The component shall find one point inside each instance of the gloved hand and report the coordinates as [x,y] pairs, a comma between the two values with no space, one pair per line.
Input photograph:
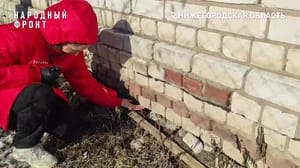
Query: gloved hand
[49,75]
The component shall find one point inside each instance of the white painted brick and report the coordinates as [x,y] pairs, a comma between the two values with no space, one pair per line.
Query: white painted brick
[107,18]
[238,122]
[173,117]
[166,31]
[186,36]
[139,46]
[209,40]
[156,71]
[148,27]
[156,85]
[248,27]
[294,147]
[236,1]
[290,4]
[135,24]
[192,103]
[173,11]
[282,122]
[173,56]
[142,80]
[189,126]
[97,3]
[140,66]
[246,107]
[149,8]
[219,70]
[215,112]
[144,102]
[232,152]
[119,5]
[236,48]
[173,92]
[285,30]
[275,139]
[267,55]
[193,142]
[158,109]
[274,88]
[293,61]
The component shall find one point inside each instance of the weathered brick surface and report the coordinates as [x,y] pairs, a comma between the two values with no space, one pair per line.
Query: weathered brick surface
[141,79]
[193,86]
[156,71]
[193,103]
[230,150]
[236,48]
[275,139]
[267,55]
[139,46]
[215,112]
[217,95]
[173,92]
[135,89]
[274,88]
[148,93]
[209,40]
[216,69]
[164,100]
[180,108]
[166,31]
[200,120]
[291,4]
[188,125]
[254,27]
[174,9]
[97,3]
[173,117]
[173,77]
[140,66]
[144,102]
[237,1]
[282,122]
[158,109]
[285,30]
[119,5]
[240,123]
[148,27]
[173,56]
[149,8]
[107,18]
[186,36]
[293,61]
[294,147]
[156,85]
[246,107]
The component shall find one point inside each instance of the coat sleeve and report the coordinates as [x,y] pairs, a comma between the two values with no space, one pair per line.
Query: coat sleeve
[86,86]
[13,75]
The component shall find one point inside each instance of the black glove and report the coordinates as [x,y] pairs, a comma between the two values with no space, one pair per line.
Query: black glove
[49,75]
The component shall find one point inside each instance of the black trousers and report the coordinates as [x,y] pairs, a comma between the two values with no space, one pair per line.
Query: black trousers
[37,110]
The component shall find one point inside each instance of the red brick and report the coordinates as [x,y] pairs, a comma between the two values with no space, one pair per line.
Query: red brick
[173,77]
[134,89]
[164,100]
[217,95]
[200,120]
[148,93]
[181,109]
[193,86]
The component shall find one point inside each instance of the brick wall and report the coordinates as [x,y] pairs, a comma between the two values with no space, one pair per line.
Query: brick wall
[231,81]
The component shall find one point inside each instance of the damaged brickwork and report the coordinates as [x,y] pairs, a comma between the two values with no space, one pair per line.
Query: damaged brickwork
[234,84]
